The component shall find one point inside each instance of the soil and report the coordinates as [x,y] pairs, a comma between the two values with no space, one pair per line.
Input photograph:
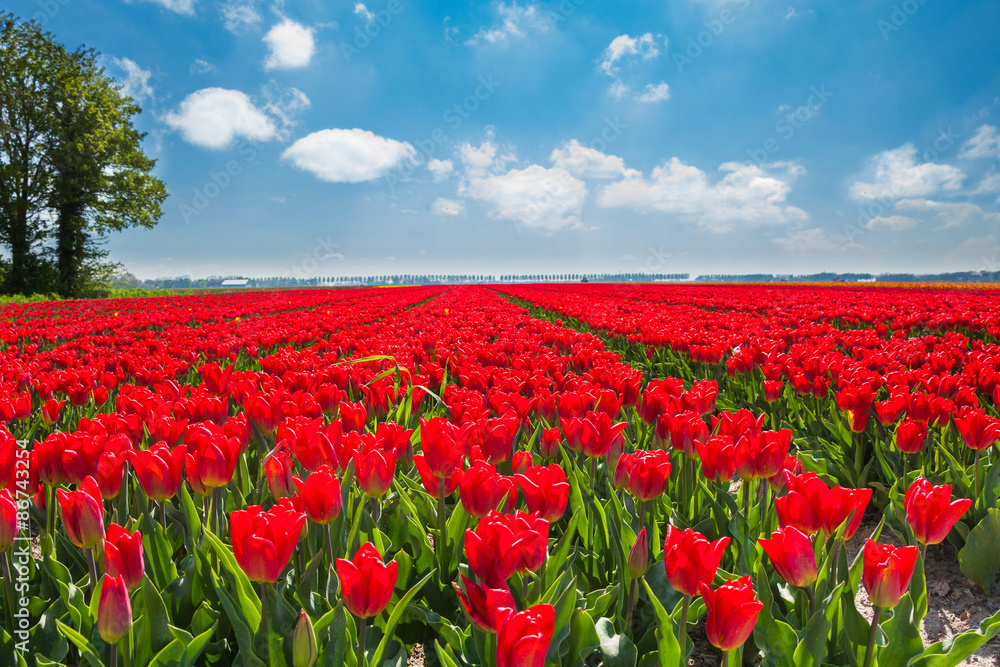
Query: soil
[954,602]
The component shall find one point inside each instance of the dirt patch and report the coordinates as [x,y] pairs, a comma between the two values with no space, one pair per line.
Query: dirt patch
[955,604]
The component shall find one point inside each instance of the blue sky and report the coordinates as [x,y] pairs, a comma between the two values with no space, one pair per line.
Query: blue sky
[705,136]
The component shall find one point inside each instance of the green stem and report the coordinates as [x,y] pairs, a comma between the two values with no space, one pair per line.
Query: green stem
[329,545]
[265,621]
[682,640]
[870,651]
[362,660]
[439,543]
[163,517]
[812,600]
[93,568]
[834,570]
[906,471]
[731,658]
[979,489]
[8,585]
[633,593]
[114,655]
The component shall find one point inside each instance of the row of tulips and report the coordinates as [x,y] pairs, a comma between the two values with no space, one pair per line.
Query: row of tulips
[365,494]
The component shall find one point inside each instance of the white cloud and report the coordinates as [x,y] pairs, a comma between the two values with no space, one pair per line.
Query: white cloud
[200,66]
[654,93]
[535,197]
[618,90]
[348,156]
[441,169]
[487,156]
[796,13]
[990,183]
[745,196]
[587,162]
[442,206]
[215,117]
[893,223]
[238,16]
[623,46]
[178,6]
[285,103]
[984,143]
[136,83]
[363,12]
[514,22]
[807,240]
[898,175]
[291,45]
[949,214]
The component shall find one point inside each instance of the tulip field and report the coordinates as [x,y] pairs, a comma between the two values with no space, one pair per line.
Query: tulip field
[504,476]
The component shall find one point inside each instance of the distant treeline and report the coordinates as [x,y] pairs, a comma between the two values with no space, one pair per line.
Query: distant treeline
[399,279]
[186,282]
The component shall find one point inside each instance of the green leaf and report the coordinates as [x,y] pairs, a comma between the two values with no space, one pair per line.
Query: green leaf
[954,650]
[244,631]
[445,656]
[82,644]
[617,650]
[248,599]
[811,650]
[583,639]
[980,557]
[397,613]
[180,653]
[342,638]
[191,514]
[669,648]
[777,638]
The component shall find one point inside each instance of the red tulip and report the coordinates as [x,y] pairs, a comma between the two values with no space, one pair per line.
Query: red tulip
[856,401]
[792,555]
[546,490]
[83,514]
[483,605]
[51,410]
[638,557]
[690,559]
[498,437]
[761,455]
[442,451]
[431,482]
[731,613]
[366,583]
[114,611]
[320,493]
[978,430]
[521,461]
[374,470]
[524,637]
[480,491]
[810,505]
[211,460]
[649,474]
[216,379]
[354,416]
[718,457]
[685,429]
[315,449]
[886,572]
[791,466]
[549,444]
[263,542]
[158,470]
[123,555]
[910,436]
[504,544]
[887,412]
[278,470]
[930,512]
[772,390]
[9,524]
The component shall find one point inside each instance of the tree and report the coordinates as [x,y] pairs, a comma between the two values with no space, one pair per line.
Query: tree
[93,177]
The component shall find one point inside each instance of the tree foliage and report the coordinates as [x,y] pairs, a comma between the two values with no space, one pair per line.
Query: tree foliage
[72,168]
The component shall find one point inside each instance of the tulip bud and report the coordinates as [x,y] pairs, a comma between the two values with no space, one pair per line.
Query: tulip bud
[549,445]
[638,558]
[114,611]
[304,648]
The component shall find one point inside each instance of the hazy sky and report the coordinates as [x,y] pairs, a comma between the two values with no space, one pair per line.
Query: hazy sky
[336,138]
